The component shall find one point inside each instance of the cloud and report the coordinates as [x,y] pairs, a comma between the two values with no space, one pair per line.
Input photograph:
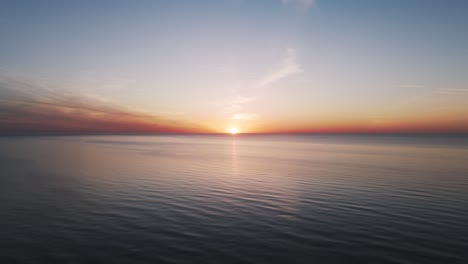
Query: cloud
[302,3]
[236,102]
[27,106]
[289,66]
[234,105]
[452,91]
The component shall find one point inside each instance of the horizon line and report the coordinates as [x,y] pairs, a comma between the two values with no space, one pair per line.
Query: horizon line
[454,133]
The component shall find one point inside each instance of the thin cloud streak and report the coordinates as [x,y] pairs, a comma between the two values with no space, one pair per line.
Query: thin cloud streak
[236,102]
[26,107]
[452,91]
[289,66]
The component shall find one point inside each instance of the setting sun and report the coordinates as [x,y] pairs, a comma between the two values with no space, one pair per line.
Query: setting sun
[233,130]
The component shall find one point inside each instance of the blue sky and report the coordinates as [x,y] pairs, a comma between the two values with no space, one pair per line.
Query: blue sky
[256,65]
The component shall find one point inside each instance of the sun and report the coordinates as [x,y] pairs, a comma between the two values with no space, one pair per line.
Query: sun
[233,130]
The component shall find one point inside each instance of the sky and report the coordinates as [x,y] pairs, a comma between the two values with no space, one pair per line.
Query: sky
[278,66]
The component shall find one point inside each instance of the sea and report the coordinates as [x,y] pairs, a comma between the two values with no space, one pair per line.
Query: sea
[234,199]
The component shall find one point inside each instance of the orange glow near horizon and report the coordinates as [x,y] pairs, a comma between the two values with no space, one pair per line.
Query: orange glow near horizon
[73,114]
[233,130]
[303,69]
[396,124]
[110,123]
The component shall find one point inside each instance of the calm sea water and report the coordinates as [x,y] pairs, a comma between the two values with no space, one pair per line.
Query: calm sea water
[242,199]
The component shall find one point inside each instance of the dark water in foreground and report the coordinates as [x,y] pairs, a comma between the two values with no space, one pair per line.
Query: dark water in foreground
[215,199]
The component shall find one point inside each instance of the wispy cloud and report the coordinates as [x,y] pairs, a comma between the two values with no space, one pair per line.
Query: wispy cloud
[452,91]
[236,102]
[302,3]
[27,106]
[290,65]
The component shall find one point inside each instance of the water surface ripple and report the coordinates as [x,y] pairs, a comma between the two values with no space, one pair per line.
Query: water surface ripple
[243,199]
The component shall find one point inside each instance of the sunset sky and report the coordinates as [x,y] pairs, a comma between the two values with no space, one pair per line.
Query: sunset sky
[210,66]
